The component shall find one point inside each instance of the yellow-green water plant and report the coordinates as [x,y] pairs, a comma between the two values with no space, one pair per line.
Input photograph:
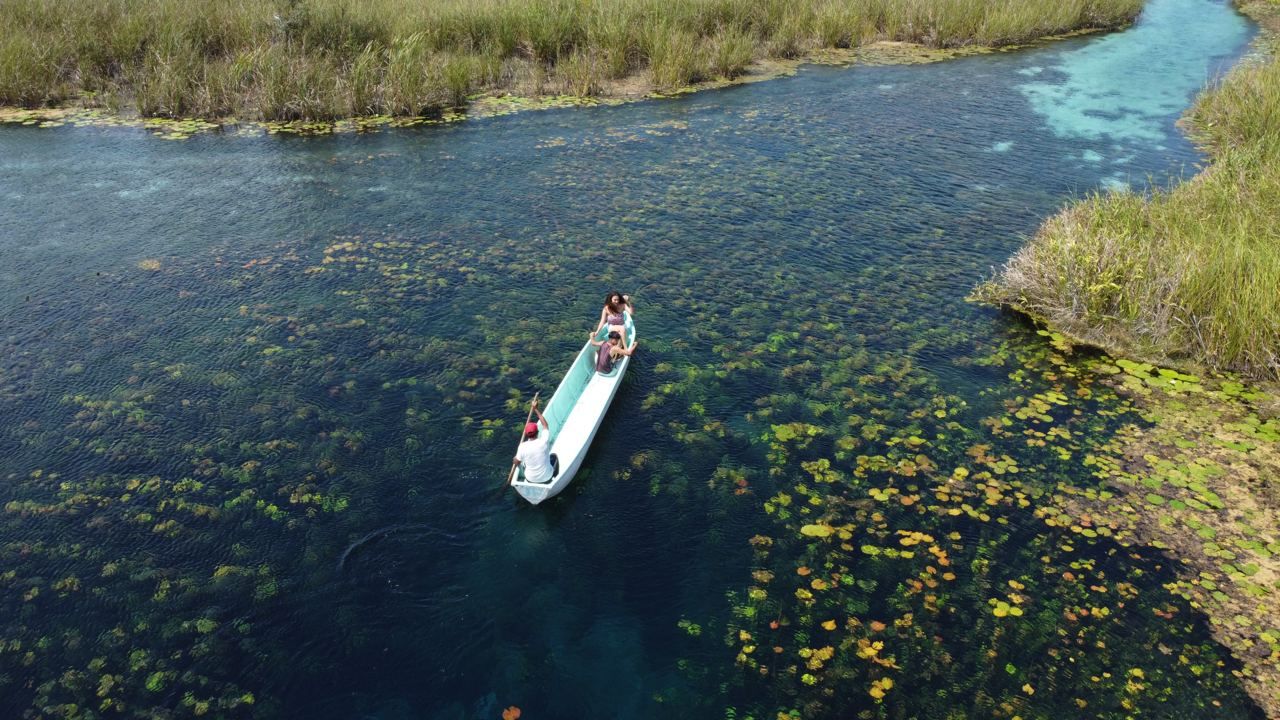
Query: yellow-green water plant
[886,489]
[899,512]
[879,554]
[1183,471]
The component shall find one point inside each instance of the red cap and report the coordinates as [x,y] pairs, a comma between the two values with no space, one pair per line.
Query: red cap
[530,428]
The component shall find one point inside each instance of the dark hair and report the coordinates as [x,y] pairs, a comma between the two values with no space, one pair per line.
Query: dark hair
[608,300]
[615,335]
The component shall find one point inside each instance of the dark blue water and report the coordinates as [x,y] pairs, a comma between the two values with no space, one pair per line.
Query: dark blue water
[260,392]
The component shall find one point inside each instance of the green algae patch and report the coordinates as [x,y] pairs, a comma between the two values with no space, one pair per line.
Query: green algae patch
[899,516]
[182,129]
[887,52]
[1217,511]
[177,129]
[497,105]
[163,128]
[1188,469]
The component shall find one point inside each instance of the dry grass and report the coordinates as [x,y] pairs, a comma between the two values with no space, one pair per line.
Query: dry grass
[319,59]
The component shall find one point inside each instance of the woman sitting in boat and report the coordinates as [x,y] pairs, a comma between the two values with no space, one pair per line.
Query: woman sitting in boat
[611,350]
[615,304]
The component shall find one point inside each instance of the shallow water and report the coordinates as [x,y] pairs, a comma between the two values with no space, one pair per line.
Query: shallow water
[251,386]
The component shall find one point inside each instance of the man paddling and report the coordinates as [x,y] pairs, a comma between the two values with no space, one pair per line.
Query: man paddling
[534,452]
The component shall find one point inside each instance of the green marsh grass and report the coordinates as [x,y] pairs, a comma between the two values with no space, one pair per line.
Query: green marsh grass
[730,52]
[321,59]
[1190,274]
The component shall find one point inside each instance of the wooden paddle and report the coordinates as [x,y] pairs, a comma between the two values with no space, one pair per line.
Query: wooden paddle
[512,477]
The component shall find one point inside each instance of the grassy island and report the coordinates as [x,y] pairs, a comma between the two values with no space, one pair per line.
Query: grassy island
[326,59]
[1190,275]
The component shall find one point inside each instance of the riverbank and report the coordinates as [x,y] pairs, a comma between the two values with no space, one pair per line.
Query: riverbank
[1187,277]
[331,59]
[498,102]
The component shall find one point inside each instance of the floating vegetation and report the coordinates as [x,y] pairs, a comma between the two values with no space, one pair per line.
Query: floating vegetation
[1189,477]
[182,129]
[898,513]
[168,129]
[879,570]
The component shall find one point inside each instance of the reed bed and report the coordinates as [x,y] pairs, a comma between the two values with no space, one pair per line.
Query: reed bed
[323,59]
[1189,275]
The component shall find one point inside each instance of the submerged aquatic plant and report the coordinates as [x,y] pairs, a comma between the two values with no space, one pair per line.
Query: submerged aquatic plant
[869,578]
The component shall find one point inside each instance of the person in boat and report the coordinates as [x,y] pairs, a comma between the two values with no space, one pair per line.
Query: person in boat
[611,351]
[534,452]
[615,304]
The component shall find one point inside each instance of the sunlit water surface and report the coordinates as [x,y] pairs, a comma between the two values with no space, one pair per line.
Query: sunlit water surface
[250,386]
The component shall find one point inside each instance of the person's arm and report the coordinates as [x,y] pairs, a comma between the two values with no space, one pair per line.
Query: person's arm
[630,348]
[604,312]
[541,419]
[596,342]
[626,305]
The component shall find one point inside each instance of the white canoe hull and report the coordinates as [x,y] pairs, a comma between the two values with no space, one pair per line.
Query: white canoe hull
[574,413]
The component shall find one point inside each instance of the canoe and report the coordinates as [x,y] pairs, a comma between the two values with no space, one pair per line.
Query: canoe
[574,415]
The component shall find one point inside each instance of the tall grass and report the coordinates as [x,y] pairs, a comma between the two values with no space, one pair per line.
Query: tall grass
[675,56]
[1189,274]
[284,59]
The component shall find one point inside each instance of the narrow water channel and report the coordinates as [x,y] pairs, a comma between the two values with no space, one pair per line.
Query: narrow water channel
[259,395]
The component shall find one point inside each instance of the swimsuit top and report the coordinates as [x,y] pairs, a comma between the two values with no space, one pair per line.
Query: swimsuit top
[615,319]
[604,359]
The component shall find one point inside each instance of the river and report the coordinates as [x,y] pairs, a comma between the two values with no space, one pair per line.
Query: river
[260,394]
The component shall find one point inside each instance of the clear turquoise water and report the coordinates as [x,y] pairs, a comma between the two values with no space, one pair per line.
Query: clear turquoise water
[252,470]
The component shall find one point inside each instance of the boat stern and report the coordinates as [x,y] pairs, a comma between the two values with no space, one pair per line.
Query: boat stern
[533,492]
